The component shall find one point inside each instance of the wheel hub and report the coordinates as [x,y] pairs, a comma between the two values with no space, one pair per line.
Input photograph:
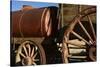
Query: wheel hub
[27,61]
[92,52]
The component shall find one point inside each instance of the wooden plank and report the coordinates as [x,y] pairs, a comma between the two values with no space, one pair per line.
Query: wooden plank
[77,47]
[79,57]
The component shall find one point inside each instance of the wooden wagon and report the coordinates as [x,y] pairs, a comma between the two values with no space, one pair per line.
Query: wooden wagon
[32,28]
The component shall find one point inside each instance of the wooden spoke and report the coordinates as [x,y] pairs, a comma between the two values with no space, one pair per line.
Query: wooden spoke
[25,50]
[35,55]
[36,60]
[34,63]
[80,37]
[92,28]
[32,53]
[29,49]
[80,23]
[22,55]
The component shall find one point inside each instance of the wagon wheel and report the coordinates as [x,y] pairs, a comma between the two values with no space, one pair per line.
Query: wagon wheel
[81,32]
[30,53]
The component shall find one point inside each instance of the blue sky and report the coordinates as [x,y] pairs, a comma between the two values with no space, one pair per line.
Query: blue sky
[17,5]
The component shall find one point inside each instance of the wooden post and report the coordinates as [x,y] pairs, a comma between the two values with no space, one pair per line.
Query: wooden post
[79,9]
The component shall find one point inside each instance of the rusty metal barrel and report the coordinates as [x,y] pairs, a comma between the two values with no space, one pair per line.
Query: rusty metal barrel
[35,22]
